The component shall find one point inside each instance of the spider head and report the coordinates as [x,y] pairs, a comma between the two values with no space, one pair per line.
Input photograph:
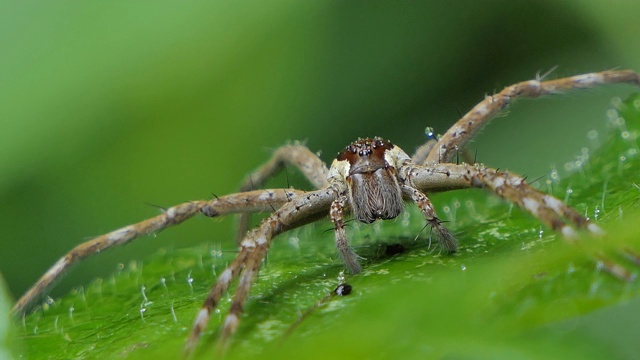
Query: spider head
[368,167]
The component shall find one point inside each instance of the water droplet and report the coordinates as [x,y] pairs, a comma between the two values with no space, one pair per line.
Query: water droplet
[569,167]
[429,132]
[578,163]
[592,135]
[568,193]
[190,280]
[617,102]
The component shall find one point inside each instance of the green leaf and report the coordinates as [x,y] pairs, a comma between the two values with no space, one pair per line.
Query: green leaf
[7,337]
[513,289]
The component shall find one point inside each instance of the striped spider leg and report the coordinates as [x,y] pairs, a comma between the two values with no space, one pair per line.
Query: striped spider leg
[371,178]
[458,135]
[255,201]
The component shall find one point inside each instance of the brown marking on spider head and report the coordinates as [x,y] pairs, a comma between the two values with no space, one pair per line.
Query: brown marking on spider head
[374,190]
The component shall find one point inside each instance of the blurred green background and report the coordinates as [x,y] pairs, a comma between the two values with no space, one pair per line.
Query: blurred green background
[107,107]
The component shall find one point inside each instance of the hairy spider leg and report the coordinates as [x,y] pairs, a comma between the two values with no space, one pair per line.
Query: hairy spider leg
[348,256]
[551,211]
[443,235]
[299,211]
[255,201]
[457,137]
[311,166]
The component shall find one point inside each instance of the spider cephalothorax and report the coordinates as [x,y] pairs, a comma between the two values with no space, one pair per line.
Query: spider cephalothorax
[371,177]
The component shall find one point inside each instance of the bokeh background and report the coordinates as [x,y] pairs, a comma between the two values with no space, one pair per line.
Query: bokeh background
[108,107]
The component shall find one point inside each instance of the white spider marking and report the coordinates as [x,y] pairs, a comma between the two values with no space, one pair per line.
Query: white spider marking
[117,235]
[248,243]
[498,183]
[265,196]
[261,240]
[553,203]
[225,277]
[569,233]
[531,205]
[396,157]
[482,110]
[202,315]
[588,79]
[595,229]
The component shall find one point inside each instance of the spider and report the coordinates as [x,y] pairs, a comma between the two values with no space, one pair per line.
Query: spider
[371,178]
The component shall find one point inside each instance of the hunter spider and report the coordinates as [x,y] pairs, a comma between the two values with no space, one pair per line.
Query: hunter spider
[371,178]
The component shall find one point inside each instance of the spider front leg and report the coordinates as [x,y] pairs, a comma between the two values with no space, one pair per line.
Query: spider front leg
[348,256]
[456,138]
[311,166]
[445,238]
[300,210]
[551,211]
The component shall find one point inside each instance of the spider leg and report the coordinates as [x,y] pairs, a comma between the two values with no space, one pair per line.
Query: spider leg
[445,238]
[300,210]
[249,273]
[253,201]
[172,216]
[314,169]
[548,209]
[348,256]
[468,126]
[420,156]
